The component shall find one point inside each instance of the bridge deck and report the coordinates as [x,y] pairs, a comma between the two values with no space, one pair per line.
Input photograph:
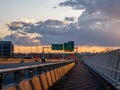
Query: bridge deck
[81,78]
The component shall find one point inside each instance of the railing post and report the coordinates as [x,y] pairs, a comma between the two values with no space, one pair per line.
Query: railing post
[17,76]
[118,67]
[115,64]
[49,68]
[39,70]
[44,69]
[31,73]
[1,80]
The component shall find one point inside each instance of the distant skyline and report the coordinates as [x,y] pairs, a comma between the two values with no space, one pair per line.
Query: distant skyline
[87,22]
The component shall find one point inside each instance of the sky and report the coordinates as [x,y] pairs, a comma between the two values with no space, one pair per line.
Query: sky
[87,22]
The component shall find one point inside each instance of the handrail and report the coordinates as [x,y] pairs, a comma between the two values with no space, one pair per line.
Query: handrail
[15,75]
[107,65]
[33,66]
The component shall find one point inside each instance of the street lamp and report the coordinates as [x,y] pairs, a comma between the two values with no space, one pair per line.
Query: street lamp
[37,45]
[11,45]
[18,41]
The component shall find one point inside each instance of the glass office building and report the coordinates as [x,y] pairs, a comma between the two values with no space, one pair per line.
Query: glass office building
[6,49]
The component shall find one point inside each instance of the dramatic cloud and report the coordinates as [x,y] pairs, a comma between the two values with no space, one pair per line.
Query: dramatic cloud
[100,20]
[21,40]
[46,29]
[107,7]
[99,25]
[19,25]
[69,18]
[82,32]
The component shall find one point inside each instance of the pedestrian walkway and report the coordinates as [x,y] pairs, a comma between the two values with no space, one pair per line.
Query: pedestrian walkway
[81,78]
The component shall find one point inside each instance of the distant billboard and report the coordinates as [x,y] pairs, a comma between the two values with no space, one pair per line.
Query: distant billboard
[69,47]
[57,46]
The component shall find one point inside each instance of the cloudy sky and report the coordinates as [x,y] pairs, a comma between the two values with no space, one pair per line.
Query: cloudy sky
[87,22]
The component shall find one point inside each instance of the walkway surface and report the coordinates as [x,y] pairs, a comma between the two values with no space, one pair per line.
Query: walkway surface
[81,78]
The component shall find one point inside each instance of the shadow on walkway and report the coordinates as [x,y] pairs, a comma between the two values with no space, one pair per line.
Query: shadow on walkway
[81,78]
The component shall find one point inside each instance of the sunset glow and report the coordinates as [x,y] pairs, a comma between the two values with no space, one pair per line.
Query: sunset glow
[93,26]
[47,49]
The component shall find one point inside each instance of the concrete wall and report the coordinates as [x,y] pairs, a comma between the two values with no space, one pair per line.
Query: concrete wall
[44,81]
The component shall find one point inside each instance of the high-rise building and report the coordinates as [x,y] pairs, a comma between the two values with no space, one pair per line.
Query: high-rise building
[6,49]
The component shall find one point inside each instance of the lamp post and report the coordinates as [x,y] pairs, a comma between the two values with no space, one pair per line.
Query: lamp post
[36,50]
[11,45]
[31,44]
[43,56]
[19,43]
[76,52]
[37,45]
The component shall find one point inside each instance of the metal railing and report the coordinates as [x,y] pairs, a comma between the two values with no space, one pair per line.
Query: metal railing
[13,76]
[107,65]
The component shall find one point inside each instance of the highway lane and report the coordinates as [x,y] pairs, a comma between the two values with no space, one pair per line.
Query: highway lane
[25,64]
[13,74]
[15,65]
[8,70]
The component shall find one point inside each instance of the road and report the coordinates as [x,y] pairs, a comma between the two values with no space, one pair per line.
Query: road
[15,65]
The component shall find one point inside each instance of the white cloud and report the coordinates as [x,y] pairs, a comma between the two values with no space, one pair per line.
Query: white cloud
[28,20]
[96,26]
[106,7]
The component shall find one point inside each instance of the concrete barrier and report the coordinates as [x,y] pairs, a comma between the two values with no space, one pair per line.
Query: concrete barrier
[44,80]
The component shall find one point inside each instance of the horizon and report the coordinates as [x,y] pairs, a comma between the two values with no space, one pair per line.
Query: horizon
[48,49]
[94,25]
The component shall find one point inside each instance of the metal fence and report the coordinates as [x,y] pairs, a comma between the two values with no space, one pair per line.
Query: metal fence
[107,65]
[12,76]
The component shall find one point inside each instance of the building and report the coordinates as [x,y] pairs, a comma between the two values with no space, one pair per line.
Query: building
[6,49]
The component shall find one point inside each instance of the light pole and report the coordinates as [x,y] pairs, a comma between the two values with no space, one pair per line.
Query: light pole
[37,45]
[18,42]
[31,44]
[76,52]
[31,49]
[11,45]
[43,56]
[36,49]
